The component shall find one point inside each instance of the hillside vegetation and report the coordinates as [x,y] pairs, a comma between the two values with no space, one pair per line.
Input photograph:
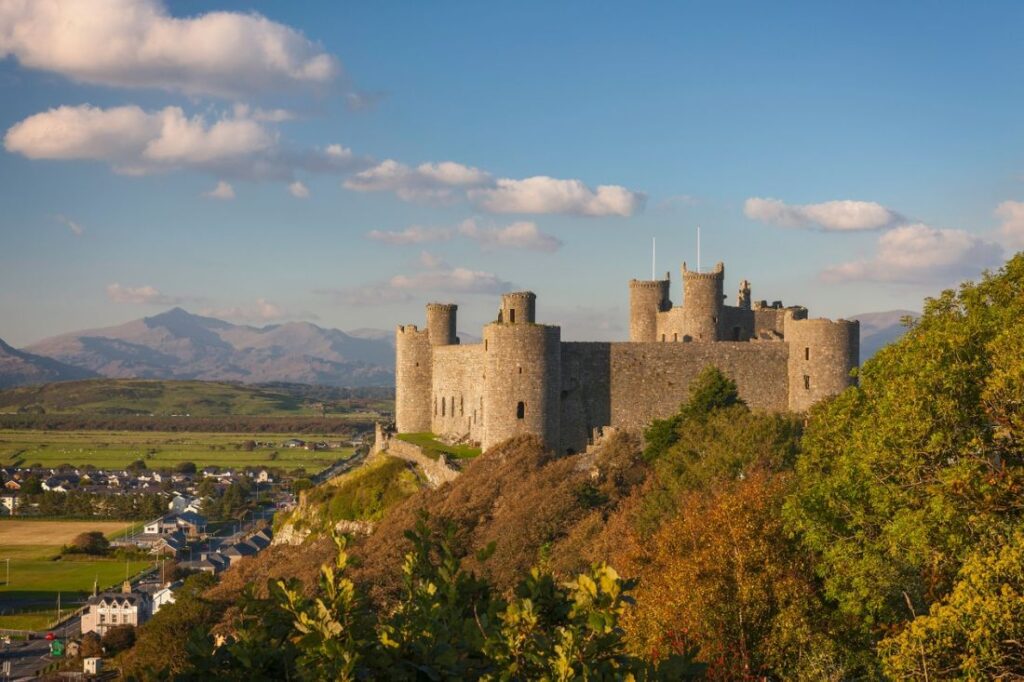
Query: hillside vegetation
[879,537]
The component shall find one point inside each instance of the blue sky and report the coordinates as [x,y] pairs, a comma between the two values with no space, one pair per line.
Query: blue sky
[373,156]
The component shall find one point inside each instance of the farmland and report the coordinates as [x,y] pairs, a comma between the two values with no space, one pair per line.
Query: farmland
[37,574]
[159,450]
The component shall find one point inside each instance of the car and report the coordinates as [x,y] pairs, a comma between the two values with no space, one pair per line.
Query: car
[50,636]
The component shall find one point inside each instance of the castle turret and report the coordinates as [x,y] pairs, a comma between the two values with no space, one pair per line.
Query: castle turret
[523,370]
[441,323]
[518,307]
[822,353]
[647,298]
[702,302]
[413,377]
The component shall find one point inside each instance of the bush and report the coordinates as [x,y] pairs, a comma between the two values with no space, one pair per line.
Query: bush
[118,639]
[186,468]
[92,542]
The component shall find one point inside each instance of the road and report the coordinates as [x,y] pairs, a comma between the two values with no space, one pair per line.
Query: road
[28,657]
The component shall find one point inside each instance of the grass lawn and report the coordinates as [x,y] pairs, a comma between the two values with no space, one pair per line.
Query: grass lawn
[117,449]
[37,576]
[433,448]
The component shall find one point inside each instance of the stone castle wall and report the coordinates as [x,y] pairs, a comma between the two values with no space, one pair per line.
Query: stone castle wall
[822,355]
[625,385]
[457,392]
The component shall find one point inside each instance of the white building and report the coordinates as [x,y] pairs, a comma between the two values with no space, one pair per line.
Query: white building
[111,609]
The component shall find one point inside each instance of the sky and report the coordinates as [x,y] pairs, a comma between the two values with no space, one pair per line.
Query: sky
[347,162]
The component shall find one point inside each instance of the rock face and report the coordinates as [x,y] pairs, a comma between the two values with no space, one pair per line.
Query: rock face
[18,368]
[880,329]
[179,345]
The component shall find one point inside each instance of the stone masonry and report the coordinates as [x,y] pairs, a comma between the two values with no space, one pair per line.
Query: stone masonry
[523,379]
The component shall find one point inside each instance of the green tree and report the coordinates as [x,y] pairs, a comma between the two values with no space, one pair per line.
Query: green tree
[92,542]
[903,477]
[974,633]
[711,390]
[118,639]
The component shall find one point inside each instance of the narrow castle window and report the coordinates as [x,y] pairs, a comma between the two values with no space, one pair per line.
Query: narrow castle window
[807,353]
[435,405]
[485,344]
[442,407]
[512,315]
[520,370]
[520,410]
[675,337]
[453,406]
[462,406]
[735,333]
[663,338]
[807,382]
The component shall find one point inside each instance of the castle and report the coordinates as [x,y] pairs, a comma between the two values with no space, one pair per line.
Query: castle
[523,379]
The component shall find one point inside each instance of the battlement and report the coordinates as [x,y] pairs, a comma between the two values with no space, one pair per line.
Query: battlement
[717,273]
[522,379]
[648,283]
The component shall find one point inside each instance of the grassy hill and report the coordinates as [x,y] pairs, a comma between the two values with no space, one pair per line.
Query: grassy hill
[168,398]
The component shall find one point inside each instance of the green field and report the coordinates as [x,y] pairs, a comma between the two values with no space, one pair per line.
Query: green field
[195,398]
[37,575]
[432,447]
[117,449]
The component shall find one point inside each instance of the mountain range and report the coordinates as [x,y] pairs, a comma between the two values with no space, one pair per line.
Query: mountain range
[180,345]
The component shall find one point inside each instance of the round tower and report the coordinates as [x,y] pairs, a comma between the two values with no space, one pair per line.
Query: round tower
[702,302]
[646,299]
[518,307]
[441,323]
[822,353]
[413,377]
[523,370]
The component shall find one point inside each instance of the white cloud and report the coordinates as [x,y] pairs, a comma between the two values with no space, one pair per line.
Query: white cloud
[451,280]
[920,253]
[541,194]
[298,190]
[1011,232]
[76,229]
[133,140]
[137,142]
[243,110]
[839,216]
[260,311]
[414,234]
[144,295]
[223,191]
[519,235]
[136,43]
[436,182]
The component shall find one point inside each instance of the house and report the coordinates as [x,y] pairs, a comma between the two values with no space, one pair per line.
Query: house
[164,596]
[162,525]
[92,665]
[294,443]
[61,483]
[110,609]
[170,545]
[181,503]
[193,524]
[263,476]
[12,485]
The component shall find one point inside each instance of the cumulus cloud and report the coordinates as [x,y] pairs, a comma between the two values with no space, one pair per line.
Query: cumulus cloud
[144,295]
[138,142]
[1011,232]
[76,228]
[920,253]
[223,190]
[260,311]
[137,43]
[434,182]
[430,260]
[298,190]
[414,234]
[541,194]
[519,235]
[838,216]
